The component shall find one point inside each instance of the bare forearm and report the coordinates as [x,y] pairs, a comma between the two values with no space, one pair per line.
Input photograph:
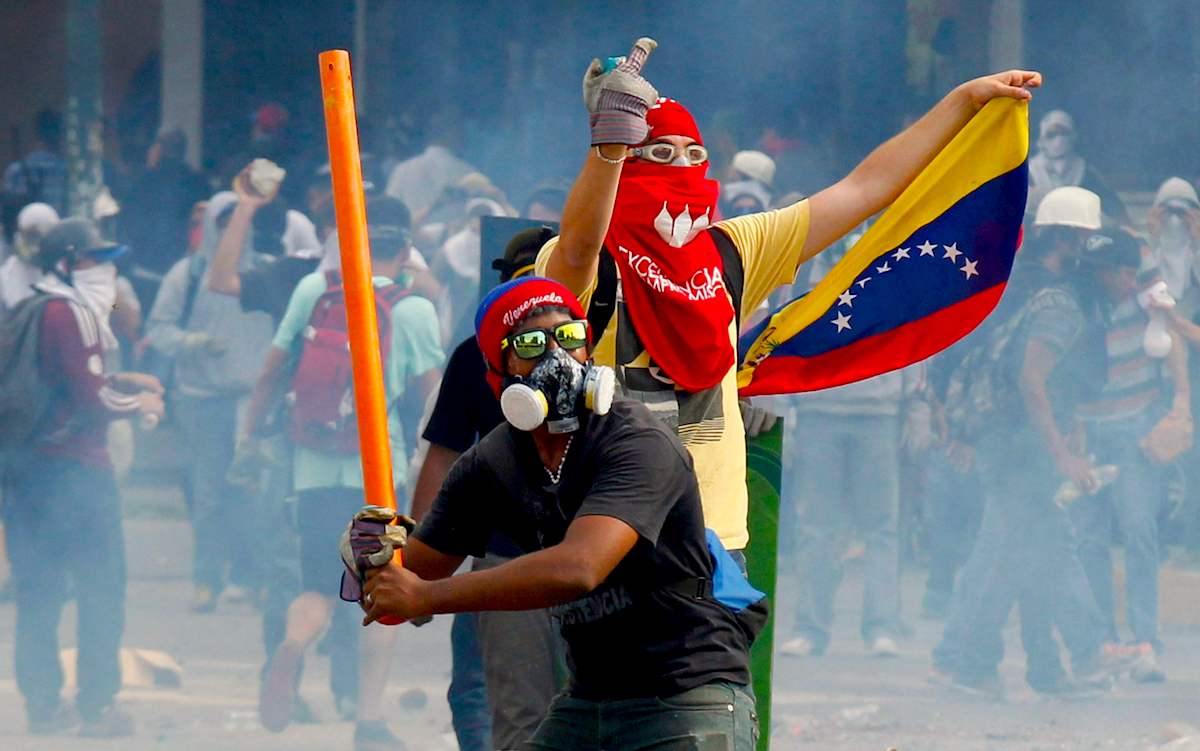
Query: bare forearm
[538,580]
[1041,414]
[1186,329]
[586,217]
[269,382]
[884,174]
[223,276]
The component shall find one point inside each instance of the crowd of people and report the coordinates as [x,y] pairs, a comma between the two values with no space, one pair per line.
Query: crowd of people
[212,306]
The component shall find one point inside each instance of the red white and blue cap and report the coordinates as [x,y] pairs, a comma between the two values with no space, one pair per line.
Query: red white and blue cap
[503,309]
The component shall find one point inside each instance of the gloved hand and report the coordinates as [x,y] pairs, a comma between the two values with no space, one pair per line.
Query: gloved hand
[201,344]
[251,457]
[617,97]
[757,419]
[370,540]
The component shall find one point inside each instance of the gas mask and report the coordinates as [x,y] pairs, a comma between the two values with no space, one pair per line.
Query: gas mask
[556,392]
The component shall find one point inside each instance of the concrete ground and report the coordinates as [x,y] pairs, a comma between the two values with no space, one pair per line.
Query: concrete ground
[844,700]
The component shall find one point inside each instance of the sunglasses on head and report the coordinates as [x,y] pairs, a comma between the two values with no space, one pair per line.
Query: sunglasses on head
[665,153]
[532,344]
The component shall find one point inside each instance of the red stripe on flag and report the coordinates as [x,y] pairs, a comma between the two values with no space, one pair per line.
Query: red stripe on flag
[890,350]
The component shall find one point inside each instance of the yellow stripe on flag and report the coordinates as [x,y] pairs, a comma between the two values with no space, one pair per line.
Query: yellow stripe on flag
[994,142]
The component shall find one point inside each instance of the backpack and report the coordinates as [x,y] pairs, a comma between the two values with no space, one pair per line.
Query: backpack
[604,299]
[728,585]
[321,397]
[24,396]
[983,389]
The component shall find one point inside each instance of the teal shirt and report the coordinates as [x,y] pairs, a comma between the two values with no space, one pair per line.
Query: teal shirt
[415,349]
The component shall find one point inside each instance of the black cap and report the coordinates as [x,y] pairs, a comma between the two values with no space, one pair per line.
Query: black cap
[1115,248]
[72,238]
[521,251]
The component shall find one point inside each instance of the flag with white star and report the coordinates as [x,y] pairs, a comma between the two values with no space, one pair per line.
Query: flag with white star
[925,275]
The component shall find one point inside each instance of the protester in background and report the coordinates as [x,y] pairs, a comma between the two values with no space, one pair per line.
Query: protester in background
[1056,165]
[64,472]
[20,271]
[40,176]
[1139,421]
[292,255]
[546,202]
[217,349]
[750,173]
[508,660]
[1050,344]
[156,214]
[419,180]
[269,139]
[456,267]
[1174,227]
[329,485]
[745,197]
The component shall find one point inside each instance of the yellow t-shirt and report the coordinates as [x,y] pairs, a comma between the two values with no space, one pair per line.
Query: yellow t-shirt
[709,422]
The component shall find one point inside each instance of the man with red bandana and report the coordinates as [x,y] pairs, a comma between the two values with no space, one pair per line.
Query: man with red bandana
[642,203]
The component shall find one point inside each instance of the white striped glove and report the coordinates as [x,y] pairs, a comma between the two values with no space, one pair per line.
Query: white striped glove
[617,97]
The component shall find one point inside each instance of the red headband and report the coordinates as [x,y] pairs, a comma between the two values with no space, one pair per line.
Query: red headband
[667,117]
[503,309]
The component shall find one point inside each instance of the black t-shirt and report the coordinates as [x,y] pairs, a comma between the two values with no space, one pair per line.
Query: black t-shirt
[466,408]
[634,635]
[269,286]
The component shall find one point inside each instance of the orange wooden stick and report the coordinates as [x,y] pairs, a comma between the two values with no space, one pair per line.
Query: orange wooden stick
[341,128]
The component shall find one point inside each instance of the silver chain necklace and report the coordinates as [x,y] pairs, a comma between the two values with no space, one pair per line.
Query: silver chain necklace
[556,476]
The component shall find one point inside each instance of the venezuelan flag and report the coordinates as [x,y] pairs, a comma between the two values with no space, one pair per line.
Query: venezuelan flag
[926,273]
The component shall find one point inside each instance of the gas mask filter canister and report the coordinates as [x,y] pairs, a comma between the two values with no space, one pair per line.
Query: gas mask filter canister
[557,390]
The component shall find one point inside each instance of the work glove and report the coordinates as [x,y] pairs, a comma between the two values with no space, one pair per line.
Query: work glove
[617,97]
[201,344]
[756,419]
[370,541]
[251,457]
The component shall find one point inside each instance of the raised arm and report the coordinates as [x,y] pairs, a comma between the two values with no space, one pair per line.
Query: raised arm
[223,276]
[617,98]
[880,178]
[586,216]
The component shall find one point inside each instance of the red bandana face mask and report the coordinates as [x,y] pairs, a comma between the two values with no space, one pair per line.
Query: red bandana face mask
[671,270]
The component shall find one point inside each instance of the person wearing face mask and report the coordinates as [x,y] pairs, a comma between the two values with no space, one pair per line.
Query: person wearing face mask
[750,174]
[639,245]
[602,498]
[1048,344]
[1174,228]
[1057,165]
[64,471]
[1141,421]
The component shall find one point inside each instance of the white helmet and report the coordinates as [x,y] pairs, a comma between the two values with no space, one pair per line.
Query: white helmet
[1069,206]
[755,165]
